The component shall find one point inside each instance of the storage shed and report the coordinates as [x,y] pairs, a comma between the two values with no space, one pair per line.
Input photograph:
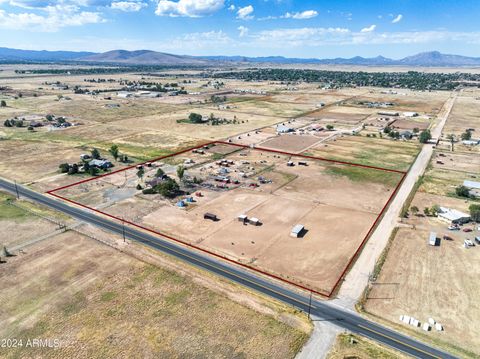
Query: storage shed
[297,231]
[433,240]
[210,216]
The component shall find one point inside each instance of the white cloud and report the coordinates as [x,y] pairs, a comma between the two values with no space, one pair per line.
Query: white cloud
[369,29]
[50,18]
[307,14]
[188,8]
[128,6]
[317,37]
[245,13]
[231,7]
[243,31]
[397,19]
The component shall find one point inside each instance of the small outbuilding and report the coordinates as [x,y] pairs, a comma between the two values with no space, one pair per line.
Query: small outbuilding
[297,231]
[242,218]
[210,216]
[254,221]
[433,240]
[284,129]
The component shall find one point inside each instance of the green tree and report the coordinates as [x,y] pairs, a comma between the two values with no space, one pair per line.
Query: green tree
[114,151]
[475,212]
[195,118]
[425,136]
[435,209]
[140,173]
[180,172]
[414,210]
[330,127]
[467,135]
[64,167]
[426,211]
[3,103]
[95,154]
[93,171]
[168,188]
[73,169]
[159,173]
[462,191]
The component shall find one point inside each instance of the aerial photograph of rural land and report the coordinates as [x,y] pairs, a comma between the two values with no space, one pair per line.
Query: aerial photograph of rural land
[242,179]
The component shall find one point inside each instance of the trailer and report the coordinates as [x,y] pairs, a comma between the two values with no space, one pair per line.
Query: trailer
[210,216]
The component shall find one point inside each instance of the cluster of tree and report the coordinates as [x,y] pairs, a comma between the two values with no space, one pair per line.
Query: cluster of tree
[218,99]
[467,135]
[99,80]
[196,118]
[431,211]
[390,132]
[115,152]
[74,169]
[425,136]
[168,188]
[411,79]
[14,122]
[475,212]
[462,191]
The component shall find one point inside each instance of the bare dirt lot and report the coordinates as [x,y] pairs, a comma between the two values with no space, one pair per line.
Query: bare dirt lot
[286,197]
[405,124]
[290,143]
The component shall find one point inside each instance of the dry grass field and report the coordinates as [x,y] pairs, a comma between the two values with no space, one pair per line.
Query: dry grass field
[292,197]
[101,303]
[465,114]
[353,346]
[383,153]
[424,281]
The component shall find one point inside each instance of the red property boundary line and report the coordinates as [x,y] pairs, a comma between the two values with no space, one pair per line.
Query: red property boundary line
[347,267]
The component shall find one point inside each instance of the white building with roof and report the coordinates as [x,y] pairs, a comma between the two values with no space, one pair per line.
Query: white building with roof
[283,129]
[453,216]
[471,184]
[297,231]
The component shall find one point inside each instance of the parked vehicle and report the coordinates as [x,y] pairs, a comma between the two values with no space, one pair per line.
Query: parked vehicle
[447,238]
[453,227]
[468,243]
[477,239]
[467,230]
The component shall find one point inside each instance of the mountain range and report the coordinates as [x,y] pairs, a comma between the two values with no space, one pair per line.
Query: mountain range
[148,57]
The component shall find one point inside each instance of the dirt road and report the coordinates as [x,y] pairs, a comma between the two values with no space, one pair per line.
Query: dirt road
[357,279]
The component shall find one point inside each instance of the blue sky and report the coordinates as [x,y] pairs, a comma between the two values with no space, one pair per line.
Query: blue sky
[343,28]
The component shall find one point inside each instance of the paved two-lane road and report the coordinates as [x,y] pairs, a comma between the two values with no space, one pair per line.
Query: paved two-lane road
[322,310]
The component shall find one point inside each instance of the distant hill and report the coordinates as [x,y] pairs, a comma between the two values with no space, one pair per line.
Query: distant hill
[435,58]
[7,54]
[143,57]
[148,57]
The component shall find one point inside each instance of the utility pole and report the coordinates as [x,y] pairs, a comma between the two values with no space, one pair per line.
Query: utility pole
[310,305]
[123,229]
[16,190]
